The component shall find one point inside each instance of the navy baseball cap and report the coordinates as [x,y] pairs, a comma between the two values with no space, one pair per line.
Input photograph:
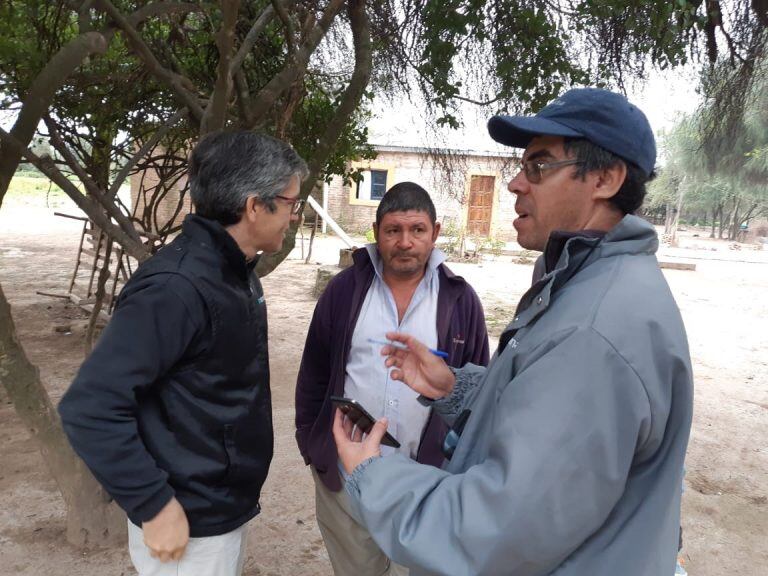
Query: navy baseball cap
[600,116]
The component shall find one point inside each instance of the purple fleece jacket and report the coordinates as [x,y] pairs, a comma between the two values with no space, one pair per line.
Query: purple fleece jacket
[460,331]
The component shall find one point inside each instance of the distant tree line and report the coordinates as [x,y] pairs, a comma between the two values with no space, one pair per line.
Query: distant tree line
[722,185]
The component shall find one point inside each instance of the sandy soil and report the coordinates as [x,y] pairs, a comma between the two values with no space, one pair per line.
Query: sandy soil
[723,302]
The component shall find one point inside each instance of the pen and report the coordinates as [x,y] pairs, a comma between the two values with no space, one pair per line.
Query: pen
[400,345]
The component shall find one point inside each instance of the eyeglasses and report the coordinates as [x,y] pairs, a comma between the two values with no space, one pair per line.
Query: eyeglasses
[534,168]
[297,203]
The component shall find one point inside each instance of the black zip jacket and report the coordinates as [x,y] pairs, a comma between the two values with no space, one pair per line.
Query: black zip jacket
[175,399]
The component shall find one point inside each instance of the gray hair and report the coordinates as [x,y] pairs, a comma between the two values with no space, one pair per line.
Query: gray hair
[226,168]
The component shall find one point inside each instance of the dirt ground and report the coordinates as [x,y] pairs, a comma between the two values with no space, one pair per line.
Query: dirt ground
[724,304]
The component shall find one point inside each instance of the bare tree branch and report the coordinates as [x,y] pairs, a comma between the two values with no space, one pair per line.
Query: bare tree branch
[40,95]
[90,186]
[84,22]
[215,115]
[243,98]
[180,85]
[250,38]
[161,9]
[287,24]
[157,135]
[87,204]
[69,158]
[350,100]
[295,68]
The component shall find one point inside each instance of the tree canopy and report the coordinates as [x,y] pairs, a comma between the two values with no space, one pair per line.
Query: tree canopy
[137,82]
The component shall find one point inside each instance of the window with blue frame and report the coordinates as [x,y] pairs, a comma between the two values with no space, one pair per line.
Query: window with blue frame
[378,184]
[372,185]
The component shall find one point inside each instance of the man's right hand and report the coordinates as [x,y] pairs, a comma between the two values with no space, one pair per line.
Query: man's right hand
[167,534]
[415,365]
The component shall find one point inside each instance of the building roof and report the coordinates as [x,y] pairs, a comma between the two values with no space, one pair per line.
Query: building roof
[508,153]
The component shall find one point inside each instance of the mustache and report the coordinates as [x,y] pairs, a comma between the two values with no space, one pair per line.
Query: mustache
[402,253]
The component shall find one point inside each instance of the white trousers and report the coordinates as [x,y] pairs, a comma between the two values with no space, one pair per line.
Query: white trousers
[209,556]
[350,547]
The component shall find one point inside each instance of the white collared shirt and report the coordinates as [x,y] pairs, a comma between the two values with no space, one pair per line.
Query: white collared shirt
[367,379]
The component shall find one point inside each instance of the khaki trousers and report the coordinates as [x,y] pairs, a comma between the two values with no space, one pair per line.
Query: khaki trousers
[222,555]
[350,547]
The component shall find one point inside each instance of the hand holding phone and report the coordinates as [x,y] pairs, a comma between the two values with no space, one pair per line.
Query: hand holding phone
[360,417]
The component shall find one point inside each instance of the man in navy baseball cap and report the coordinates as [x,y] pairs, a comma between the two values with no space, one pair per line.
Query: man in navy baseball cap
[586,138]
[600,116]
[570,444]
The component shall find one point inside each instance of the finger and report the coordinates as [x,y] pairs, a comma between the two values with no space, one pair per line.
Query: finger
[348,425]
[396,374]
[357,434]
[337,428]
[410,342]
[340,434]
[164,556]
[152,552]
[178,553]
[377,433]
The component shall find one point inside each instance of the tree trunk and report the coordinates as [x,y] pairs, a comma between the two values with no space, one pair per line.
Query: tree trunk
[668,217]
[361,36]
[101,291]
[725,219]
[215,116]
[311,239]
[92,518]
[678,210]
[735,223]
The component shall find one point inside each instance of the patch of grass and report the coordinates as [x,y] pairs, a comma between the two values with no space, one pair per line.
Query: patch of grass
[36,191]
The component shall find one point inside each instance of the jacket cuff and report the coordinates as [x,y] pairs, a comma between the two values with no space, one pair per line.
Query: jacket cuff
[452,405]
[151,507]
[351,481]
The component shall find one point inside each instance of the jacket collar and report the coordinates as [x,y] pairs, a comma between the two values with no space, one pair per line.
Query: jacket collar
[632,235]
[436,258]
[364,270]
[210,234]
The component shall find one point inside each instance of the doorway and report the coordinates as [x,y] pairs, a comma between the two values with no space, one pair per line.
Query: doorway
[480,205]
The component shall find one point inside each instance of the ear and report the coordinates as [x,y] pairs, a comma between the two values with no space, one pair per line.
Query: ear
[253,209]
[375,231]
[608,181]
[435,231]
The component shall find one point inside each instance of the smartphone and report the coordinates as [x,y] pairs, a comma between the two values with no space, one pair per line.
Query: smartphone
[360,418]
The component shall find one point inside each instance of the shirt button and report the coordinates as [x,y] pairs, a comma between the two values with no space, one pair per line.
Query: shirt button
[539,301]
[517,318]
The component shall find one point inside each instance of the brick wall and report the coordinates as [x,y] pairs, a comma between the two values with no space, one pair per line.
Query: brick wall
[449,190]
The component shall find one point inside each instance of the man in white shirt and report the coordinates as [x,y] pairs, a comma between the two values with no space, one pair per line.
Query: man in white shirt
[397,284]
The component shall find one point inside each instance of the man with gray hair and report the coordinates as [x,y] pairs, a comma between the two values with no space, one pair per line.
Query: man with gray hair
[172,410]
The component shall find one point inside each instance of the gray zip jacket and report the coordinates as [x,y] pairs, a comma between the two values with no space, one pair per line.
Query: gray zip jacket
[570,462]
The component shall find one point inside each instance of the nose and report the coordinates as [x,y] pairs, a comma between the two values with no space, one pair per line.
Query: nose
[294,217]
[519,184]
[405,240]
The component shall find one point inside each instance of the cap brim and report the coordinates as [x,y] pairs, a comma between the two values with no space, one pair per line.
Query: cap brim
[518,131]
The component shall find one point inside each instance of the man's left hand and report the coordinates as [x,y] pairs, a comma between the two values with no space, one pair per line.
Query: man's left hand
[353,449]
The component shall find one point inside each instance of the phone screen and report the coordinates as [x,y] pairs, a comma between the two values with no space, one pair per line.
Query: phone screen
[360,417]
